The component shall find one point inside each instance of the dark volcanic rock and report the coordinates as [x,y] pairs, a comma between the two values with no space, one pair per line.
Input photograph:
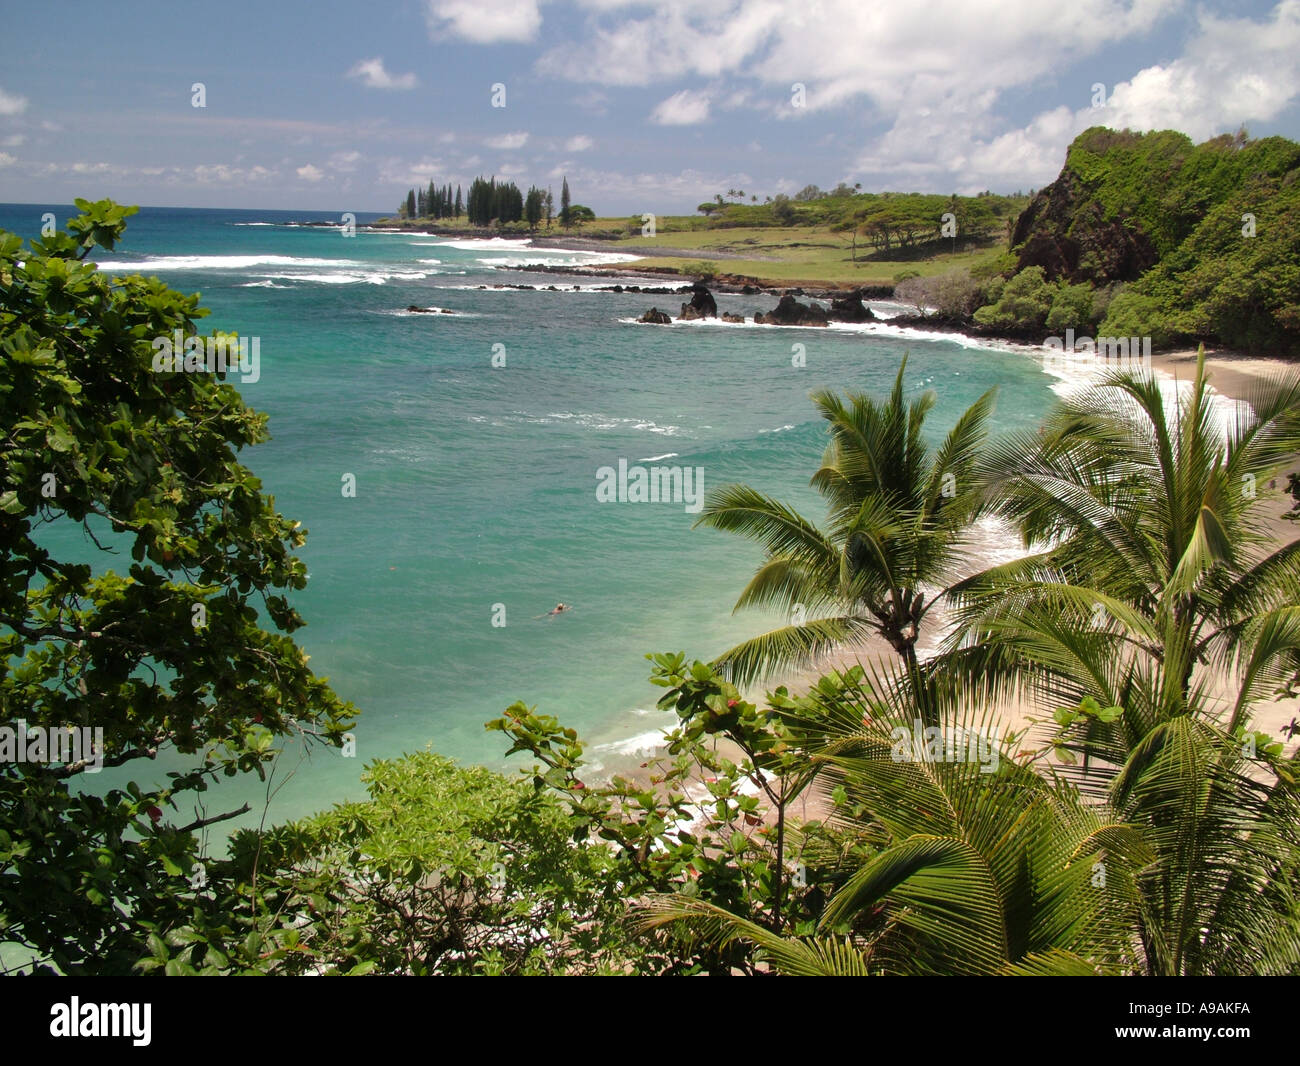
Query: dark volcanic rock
[790,312]
[1064,230]
[727,316]
[702,304]
[850,308]
[656,317]
[429,310]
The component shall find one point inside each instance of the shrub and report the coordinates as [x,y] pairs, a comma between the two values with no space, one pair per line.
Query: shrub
[1072,307]
[1023,304]
[1134,314]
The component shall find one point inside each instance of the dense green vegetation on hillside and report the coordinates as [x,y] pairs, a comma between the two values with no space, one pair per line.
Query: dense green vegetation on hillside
[1177,241]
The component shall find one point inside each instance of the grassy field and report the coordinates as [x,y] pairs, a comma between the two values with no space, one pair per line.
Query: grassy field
[798,254]
[808,255]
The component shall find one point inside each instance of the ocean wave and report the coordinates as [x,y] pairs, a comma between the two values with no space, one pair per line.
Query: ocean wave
[1079,371]
[557,257]
[352,277]
[432,311]
[595,420]
[430,262]
[779,429]
[596,286]
[262,285]
[642,745]
[221,262]
[252,223]
[475,244]
[880,329]
[656,458]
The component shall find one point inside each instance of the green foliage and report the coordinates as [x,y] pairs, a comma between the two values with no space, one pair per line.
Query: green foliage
[187,648]
[443,870]
[783,212]
[667,838]
[1071,308]
[704,269]
[1219,218]
[1133,314]
[1022,305]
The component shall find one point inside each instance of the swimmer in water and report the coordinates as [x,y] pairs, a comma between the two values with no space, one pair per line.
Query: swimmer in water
[559,609]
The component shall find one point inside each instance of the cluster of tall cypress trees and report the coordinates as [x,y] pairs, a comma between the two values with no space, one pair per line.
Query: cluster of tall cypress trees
[488,201]
[434,202]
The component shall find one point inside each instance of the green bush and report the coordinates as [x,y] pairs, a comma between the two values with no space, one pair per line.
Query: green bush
[1135,314]
[1072,308]
[1023,304]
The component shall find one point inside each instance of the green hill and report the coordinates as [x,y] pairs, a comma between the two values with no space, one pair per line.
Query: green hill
[1172,240]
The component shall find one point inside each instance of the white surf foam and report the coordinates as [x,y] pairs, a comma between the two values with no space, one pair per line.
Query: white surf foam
[221,262]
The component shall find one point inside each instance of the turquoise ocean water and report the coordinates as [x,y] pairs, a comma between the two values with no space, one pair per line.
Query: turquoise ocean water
[476,485]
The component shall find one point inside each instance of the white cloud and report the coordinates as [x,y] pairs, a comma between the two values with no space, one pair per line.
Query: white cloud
[594,101]
[345,161]
[954,142]
[1234,71]
[404,173]
[222,174]
[7,160]
[507,141]
[11,104]
[14,140]
[310,173]
[484,21]
[580,143]
[374,76]
[685,108]
[842,49]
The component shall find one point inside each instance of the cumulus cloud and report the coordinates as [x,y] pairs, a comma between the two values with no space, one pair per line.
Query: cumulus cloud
[1214,87]
[484,21]
[11,104]
[7,160]
[310,173]
[684,108]
[507,141]
[845,48]
[372,74]
[580,143]
[1234,71]
[405,173]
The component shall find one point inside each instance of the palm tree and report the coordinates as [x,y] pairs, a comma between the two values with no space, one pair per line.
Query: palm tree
[1155,546]
[896,512]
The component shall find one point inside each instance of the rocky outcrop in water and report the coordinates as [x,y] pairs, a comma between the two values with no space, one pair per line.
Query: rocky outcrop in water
[655,317]
[702,304]
[850,308]
[790,312]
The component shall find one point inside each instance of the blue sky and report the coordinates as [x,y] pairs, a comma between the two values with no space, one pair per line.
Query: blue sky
[328,106]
